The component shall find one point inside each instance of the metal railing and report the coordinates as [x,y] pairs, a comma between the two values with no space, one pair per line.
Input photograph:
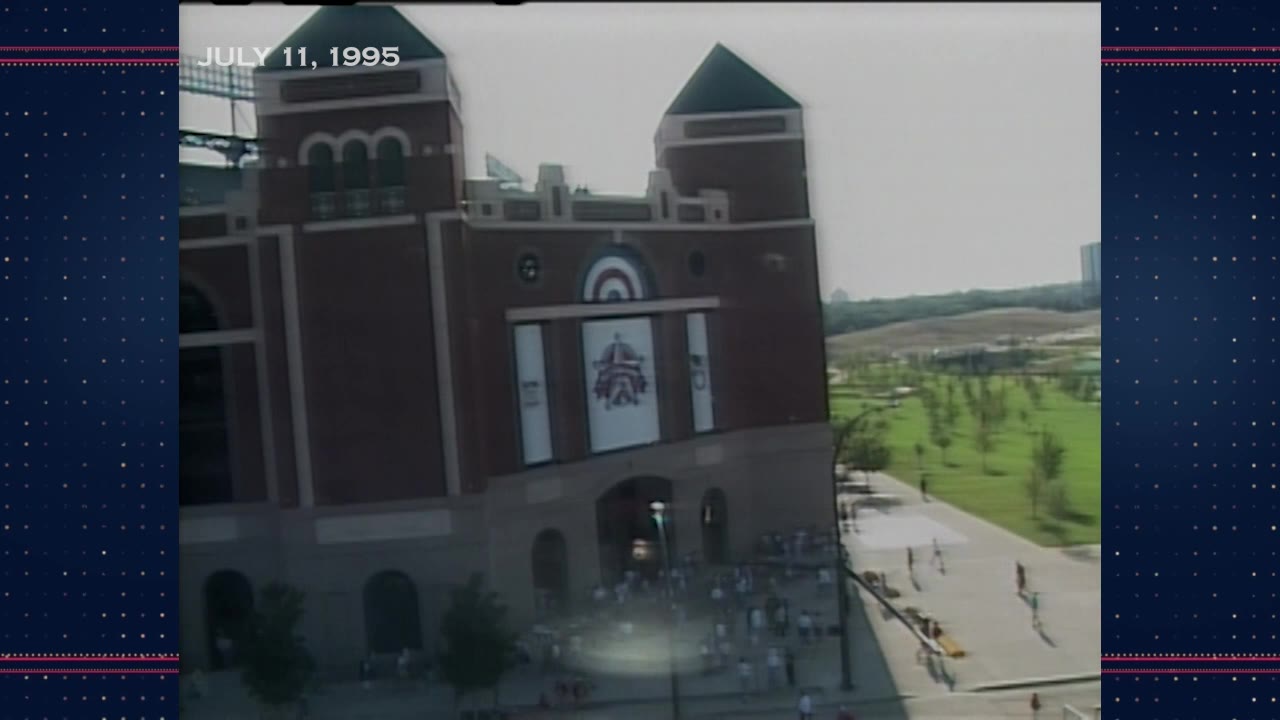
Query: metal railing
[1071,713]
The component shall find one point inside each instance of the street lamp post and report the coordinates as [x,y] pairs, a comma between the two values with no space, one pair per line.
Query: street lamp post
[659,516]
[843,432]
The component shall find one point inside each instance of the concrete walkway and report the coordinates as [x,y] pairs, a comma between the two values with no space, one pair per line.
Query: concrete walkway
[975,599]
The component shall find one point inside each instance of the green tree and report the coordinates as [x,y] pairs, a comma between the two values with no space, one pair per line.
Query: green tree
[1046,466]
[866,448]
[1033,392]
[478,646]
[984,439]
[277,664]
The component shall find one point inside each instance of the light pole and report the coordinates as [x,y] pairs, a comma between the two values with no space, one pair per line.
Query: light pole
[659,509]
[843,432]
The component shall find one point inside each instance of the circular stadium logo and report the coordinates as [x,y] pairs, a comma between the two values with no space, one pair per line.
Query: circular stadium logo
[613,278]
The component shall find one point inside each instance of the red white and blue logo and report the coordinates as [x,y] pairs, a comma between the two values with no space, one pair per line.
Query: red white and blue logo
[613,278]
[620,379]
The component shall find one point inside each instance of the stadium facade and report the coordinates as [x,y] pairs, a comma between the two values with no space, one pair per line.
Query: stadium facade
[393,377]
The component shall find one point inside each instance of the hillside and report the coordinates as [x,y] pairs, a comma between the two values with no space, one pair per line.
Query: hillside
[978,327]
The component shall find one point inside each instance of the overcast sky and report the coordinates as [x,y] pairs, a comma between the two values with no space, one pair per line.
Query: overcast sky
[950,147]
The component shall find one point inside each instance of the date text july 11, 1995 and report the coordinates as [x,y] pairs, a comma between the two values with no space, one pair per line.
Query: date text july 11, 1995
[297,57]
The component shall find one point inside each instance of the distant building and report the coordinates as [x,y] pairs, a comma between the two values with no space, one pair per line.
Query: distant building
[1091,270]
[839,296]
[393,376]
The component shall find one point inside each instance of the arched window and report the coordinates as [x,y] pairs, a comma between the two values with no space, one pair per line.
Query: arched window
[322,183]
[204,466]
[355,177]
[390,162]
[355,166]
[196,312]
[391,175]
[320,164]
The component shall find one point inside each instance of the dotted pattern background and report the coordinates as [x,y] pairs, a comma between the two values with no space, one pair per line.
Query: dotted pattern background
[1190,211]
[88,393]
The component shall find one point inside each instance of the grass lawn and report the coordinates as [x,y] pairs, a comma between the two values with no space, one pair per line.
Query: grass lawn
[999,493]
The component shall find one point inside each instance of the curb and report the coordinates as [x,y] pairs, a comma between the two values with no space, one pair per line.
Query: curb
[1037,682]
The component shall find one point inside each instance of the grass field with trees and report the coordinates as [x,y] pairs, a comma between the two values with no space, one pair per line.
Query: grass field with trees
[1024,453]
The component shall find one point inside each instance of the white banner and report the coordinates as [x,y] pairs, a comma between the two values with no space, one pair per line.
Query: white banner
[700,372]
[622,391]
[531,393]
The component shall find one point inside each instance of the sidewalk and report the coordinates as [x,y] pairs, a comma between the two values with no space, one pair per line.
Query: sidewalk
[975,599]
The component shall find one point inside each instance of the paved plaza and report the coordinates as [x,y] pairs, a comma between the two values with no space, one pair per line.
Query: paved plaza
[974,600]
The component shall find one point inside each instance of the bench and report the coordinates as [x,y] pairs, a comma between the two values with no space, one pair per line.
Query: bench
[949,646]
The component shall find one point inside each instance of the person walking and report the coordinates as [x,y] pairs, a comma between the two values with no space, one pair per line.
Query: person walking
[937,557]
[1035,611]
[1020,578]
[744,677]
[805,707]
[805,625]
[773,667]
[911,562]
[924,487]
[1035,705]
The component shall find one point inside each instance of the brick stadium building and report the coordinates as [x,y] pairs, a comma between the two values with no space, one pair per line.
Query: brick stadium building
[393,377]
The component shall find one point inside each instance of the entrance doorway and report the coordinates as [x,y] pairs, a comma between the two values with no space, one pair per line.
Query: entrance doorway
[627,532]
[228,603]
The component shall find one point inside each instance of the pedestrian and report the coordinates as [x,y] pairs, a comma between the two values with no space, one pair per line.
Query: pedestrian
[773,666]
[806,707]
[789,662]
[1035,705]
[757,625]
[1035,610]
[402,665]
[366,671]
[226,648]
[744,677]
[705,651]
[924,488]
[1019,577]
[911,562]
[805,625]
[937,557]
[780,620]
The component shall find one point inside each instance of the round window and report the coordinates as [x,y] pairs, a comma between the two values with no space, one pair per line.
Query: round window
[529,268]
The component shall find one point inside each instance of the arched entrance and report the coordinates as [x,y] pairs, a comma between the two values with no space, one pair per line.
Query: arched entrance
[391,618]
[626,529]
[551,571]
[714,520]
[228,606]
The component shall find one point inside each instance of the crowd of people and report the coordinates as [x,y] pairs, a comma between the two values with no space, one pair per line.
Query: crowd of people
[750,626]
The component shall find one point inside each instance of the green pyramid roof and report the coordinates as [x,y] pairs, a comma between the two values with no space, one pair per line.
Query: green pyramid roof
[354,26]
[724,82]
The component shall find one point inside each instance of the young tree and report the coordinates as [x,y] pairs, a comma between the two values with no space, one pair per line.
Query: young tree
[866,449]
[1046,466]
[984,440]
[277,664]
[478,647]
[1035,488]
